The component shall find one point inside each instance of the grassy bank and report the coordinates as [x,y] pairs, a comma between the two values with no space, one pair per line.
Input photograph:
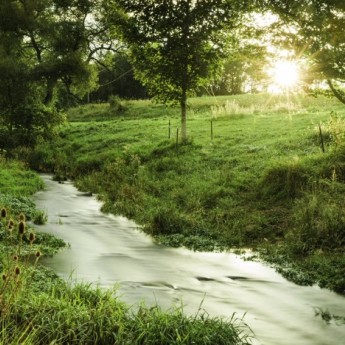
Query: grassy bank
[36,307]
[254,174]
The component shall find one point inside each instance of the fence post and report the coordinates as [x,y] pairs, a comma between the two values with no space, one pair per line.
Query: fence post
[211,129]
[176,137]
[321,139]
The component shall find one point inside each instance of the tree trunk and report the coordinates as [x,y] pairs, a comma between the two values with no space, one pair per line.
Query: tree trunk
[184,117]
[185,76]
[337,93]
[49,91]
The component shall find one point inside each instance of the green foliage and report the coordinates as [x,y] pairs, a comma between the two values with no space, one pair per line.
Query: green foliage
[44,46]
[116,77]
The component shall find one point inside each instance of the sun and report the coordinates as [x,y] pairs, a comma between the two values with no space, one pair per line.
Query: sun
[285,75]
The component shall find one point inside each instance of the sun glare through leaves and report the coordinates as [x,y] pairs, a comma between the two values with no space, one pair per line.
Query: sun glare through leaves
[285,76]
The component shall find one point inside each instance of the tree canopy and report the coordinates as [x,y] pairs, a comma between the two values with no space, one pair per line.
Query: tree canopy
[176,45]
[44,44]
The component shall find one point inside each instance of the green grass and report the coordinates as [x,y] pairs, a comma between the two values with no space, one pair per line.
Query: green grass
[261,179]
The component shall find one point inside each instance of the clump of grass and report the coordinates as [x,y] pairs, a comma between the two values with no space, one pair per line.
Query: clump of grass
[319,223]
[284,181]
[232,109]
[40,217]
[154,327]
[116,105]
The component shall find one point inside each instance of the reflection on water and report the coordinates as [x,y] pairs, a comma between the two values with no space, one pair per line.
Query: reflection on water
[107,250]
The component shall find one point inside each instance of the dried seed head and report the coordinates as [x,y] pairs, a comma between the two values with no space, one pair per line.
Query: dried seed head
[17,271]
[4,277]
[38,254]
[32,237]
[10,223]
[21,228]
[22,217]
[15,257]
[3,213]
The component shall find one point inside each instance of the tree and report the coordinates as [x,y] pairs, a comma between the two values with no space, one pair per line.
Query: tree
[44,44]
[243,70]
[116,77]
[176,45]
[318,32]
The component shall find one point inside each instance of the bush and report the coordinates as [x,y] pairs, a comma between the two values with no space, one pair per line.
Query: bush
[116,105]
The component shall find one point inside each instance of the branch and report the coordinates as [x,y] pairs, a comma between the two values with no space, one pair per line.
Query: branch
[100,63]
[340,95]
[101,48]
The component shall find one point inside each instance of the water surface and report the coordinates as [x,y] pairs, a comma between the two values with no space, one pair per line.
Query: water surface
[107,250]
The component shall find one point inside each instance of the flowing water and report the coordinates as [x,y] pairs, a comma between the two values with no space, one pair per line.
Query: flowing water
[107,249]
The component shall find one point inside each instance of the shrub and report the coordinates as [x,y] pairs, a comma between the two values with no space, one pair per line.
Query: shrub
[116,105]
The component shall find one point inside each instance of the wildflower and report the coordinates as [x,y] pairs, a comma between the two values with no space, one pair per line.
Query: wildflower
[38,255]
[31,237]
[21,227]
[3,213]
[17,271]
[22,217]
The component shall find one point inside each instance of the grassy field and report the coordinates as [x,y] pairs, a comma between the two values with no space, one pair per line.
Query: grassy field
[253,175]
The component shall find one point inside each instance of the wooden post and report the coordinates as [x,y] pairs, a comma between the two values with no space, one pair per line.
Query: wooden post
[169,131]
[321,139]
[211,129]
[176,137]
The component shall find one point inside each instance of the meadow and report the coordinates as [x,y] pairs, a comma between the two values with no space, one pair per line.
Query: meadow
[264,172]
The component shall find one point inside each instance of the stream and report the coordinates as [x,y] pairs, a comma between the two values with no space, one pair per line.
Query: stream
[107,250]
